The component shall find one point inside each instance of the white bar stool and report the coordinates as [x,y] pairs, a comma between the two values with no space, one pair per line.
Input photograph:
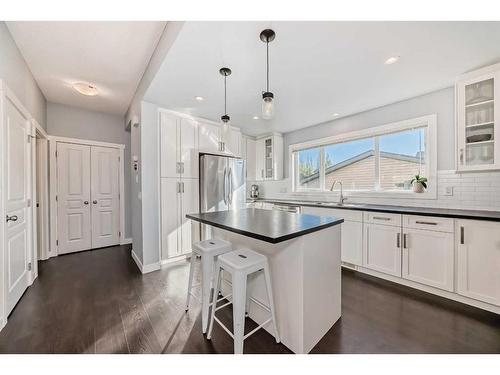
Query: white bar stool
[208,250]
[240,264]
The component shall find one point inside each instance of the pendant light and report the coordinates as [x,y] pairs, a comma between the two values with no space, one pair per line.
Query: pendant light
[267,36]
[225,117]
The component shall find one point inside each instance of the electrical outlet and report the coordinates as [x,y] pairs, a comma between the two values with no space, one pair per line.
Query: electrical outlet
[448,191]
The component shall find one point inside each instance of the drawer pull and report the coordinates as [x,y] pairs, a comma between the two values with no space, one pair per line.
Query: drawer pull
[381,218]
[426,222]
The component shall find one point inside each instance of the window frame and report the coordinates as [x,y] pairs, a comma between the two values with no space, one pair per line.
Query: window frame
[429,122]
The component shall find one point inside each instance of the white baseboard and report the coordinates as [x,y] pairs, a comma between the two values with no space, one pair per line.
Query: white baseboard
[180,258]
[126,241]
[144,268]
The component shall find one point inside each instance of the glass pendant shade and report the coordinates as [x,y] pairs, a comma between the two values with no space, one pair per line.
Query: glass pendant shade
[267,106]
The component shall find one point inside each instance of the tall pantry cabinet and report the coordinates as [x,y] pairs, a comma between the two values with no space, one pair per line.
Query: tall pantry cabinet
[179,182]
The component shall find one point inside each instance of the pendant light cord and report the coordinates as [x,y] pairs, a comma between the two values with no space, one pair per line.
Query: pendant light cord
[267,60]
[225,100]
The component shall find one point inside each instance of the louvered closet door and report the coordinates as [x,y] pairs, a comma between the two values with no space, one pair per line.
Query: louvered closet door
[105,182]
[73,206]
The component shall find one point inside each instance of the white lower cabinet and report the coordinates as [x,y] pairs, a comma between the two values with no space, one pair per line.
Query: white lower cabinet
[382,248]
[478,260]
[178,198]
[428,257]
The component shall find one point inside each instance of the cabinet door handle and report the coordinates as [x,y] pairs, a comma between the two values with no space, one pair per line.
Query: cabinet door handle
[182,186]
[462,235]
[405,241]
[178,187]
[398,240]
[462,156]
[381,218]
[426,222]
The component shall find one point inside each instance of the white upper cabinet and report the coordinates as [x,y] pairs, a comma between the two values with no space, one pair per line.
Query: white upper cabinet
[179,146]
[209,134]
[269,158]
[478,264]
[213,140]
[478,105]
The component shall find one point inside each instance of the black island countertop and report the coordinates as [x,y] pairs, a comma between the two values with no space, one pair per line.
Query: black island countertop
[266,225]
[452,213]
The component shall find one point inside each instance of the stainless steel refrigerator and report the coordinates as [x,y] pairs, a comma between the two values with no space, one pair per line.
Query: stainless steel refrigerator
[222,184]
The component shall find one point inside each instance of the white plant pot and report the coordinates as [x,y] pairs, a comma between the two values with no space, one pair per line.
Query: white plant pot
[418,187]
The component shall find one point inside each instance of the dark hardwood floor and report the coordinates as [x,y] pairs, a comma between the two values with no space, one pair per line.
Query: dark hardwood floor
[98,302]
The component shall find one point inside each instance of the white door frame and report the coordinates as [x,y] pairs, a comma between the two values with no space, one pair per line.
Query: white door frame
[39,132]
[53,140]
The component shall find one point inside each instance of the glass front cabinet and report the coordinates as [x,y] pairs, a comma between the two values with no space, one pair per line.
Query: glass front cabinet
[478,111]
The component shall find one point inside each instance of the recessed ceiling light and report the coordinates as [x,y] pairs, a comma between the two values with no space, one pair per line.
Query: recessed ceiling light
[85,88]
[391,60]
[335,114]
[199,98]
[255,117]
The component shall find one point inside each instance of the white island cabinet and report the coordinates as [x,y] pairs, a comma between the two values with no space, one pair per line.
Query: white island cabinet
[303,252]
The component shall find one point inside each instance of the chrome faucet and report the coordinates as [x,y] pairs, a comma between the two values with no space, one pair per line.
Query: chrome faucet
[342,198]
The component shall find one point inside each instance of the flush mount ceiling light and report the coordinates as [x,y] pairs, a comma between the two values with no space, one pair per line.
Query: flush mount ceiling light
[391,60]
[86,89]
[335,114]
[225,117]
[199,98]
[255,117]
[267,36]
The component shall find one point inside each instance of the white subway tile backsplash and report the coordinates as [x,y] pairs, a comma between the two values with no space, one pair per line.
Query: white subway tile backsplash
[470,191]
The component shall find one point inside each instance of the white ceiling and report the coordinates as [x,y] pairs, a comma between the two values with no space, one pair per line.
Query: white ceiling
[110,55]
[317,68]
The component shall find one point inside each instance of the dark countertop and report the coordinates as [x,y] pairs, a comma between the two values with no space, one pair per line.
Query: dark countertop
[266,225]
[424,211]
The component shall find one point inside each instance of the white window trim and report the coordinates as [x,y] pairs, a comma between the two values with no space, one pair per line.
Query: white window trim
[429,121]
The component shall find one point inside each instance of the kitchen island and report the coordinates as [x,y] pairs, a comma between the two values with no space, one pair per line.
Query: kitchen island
[304,259]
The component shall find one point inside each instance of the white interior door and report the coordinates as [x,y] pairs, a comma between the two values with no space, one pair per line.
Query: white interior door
[73,209]
[105,187]
[17,221]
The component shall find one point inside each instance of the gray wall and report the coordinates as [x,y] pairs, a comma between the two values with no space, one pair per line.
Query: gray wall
[15,73]
[150,255]
[72,122]
[440,102]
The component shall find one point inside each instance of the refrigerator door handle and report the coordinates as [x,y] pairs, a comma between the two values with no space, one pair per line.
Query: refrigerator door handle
[224,192]
[230,181]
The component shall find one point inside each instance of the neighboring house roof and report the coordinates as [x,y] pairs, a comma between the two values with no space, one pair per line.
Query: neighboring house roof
[364,155]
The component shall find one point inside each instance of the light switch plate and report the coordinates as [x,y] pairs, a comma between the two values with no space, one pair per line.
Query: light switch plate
[448,191]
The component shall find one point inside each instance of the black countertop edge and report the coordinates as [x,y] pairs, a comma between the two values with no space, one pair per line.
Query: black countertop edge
[273,240]
[422,211]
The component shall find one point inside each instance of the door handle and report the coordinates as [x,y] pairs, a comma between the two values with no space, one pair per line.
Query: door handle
[94,201]
[462,235]
[11,218]
[461,156]
[230,183]
[405,240]
[224,190]
[398,240]
[85,202]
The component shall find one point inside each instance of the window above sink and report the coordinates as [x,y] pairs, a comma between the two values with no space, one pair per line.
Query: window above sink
[380,160]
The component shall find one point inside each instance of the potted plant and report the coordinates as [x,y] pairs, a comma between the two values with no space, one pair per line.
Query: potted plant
[419,183]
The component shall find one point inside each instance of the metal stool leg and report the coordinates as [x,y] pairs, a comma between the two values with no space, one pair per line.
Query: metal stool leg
[191,275]
[267,276]
[214,300]
[239,304]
